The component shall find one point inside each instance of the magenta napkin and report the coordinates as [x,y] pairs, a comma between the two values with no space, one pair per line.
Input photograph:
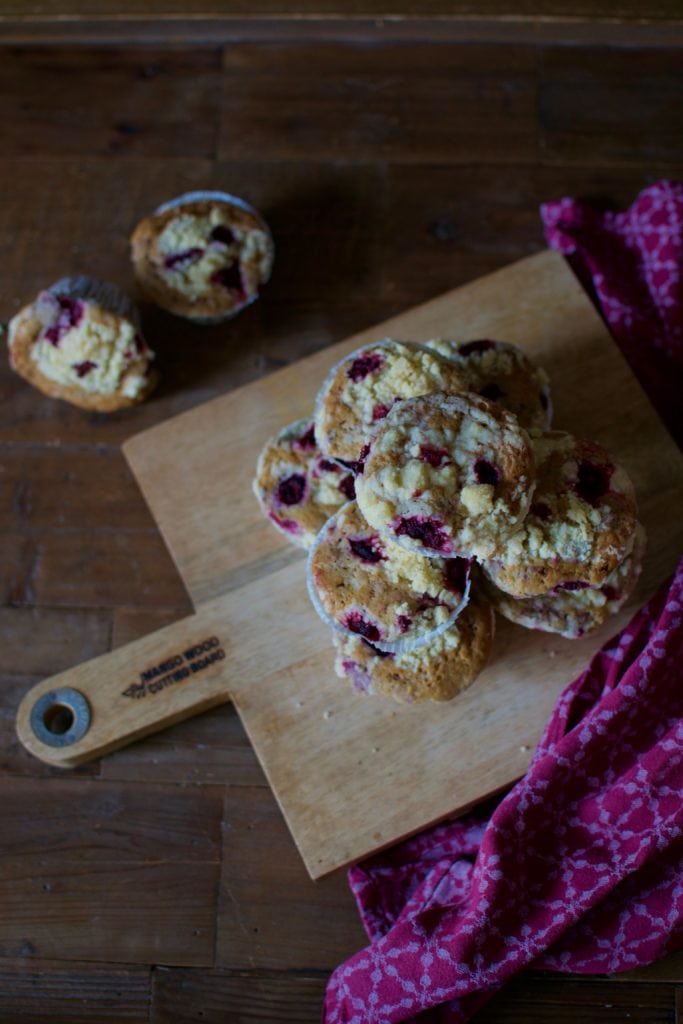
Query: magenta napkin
[580,867]
[632,264]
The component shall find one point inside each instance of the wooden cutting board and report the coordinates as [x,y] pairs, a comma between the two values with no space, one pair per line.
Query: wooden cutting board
[351,773]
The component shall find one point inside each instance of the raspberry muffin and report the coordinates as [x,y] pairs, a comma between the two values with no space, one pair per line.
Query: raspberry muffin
[80,341]
[575,609]
[363,584]
[297,487]
[203,256]
[502,373]
[438,671]
[581,523]
[361,389]
[447,475]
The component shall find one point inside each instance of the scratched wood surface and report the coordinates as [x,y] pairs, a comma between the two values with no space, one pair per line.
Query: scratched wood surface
[362,234]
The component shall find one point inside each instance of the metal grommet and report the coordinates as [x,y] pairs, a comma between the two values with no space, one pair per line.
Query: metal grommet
[60,717]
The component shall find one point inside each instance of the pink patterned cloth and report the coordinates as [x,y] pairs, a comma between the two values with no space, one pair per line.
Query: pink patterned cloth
[580,867]
[632,264]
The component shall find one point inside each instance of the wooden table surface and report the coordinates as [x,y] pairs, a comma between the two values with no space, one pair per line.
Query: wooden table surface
[393,159]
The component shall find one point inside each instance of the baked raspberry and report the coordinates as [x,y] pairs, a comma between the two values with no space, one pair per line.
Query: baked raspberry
[429,532]
[457,574]
[307,439]
[347,486]
[70,315]
[222,234]
[288,525]
[485,472]
[357,624]
[228,277]
[291,490]
[368,549]
[364,365]
[434,456]
[592,482]
[184,258]
[84,368]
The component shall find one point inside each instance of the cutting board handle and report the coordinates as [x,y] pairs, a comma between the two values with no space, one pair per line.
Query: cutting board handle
[108,702]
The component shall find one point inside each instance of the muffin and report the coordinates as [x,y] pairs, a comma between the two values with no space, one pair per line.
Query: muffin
[581,523]
[503,373]
[360,390]
[575,609]
[437,672]
[203,256]
[296,487]
[447,475]
[80,341]
[363,584]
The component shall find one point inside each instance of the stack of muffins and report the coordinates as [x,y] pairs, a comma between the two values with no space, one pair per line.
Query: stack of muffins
[430,491]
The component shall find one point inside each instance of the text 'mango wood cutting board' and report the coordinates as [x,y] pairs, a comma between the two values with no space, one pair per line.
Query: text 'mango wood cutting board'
[352,773]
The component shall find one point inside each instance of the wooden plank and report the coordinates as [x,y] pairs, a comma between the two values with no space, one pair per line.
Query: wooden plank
[14,557]
[285,100]
[624,9]
[41,641]
[600,109]
[668,969]
[210,749]
[109,871]
[240,997]
[47,488]
[462,222]
[96,569]
[226,29]
[570,1001]
[73,993]
[249,929]
[137,102]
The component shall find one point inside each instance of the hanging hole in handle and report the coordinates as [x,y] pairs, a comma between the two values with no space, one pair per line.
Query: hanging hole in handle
[60,717]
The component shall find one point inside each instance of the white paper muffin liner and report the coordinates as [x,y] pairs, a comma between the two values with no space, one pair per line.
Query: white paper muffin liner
[399,646]
[215,196]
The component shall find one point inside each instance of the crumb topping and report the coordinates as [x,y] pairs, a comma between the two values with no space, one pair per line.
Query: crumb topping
[82,344]
[477,491]
[200,252]
[361,390]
